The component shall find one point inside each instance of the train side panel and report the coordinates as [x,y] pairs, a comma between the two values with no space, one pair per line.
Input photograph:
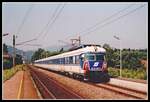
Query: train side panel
[62,68]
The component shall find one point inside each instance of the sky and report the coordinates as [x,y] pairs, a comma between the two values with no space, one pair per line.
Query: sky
[28,20]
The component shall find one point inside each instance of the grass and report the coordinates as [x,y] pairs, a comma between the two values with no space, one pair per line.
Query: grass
[128,73]
[8,73]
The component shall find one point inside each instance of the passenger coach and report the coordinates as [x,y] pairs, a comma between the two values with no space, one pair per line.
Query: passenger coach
[87,62]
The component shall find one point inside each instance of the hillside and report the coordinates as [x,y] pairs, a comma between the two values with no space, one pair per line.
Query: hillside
[26,54]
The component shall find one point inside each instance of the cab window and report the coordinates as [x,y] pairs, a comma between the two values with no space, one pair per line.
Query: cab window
[90,57]
[99,57]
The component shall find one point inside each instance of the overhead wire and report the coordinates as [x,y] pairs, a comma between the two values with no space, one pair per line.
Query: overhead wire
[110,17]
[56,17]
[115,19]
[54,20]
[24,19]
[54,13]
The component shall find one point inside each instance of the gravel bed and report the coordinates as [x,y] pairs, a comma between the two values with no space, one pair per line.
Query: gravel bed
[84,89]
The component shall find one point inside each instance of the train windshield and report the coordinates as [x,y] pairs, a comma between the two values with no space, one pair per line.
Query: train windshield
[90,57]
[99,57]
[95,57]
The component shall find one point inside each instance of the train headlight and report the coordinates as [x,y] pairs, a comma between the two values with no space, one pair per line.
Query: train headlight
[104,67]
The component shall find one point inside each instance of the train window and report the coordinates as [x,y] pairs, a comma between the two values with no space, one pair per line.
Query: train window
[66,60]
[63,60]
[53,61]
[77,59]
[99,57]
[71,60]
[56,61]
[90,57]
[59,61]
[50,61]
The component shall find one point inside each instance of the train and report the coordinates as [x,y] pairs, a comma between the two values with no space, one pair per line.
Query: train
[86,62]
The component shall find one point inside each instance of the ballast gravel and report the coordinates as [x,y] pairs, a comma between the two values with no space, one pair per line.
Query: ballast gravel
[84,89]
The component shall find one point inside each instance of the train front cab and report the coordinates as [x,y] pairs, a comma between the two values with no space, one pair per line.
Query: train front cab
[94,66]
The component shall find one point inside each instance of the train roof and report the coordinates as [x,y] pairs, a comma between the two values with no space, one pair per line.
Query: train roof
[78,51]
[82,46]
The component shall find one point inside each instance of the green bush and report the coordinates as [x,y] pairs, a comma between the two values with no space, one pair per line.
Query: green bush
[140,73]
[113,72]
[7,63]
[8,73]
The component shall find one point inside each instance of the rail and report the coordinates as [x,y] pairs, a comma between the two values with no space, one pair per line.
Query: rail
[121,90]
[51,89]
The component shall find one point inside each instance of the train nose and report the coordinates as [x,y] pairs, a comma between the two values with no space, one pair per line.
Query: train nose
[104,66]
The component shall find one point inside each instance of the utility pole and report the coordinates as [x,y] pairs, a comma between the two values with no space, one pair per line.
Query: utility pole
[74,42]
[120,55]
[14,51]
[79,41]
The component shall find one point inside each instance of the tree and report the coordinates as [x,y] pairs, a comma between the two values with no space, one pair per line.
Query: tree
[7,63]
[37,55]
[131,58]
[109,53]
[106,46]
[18,59]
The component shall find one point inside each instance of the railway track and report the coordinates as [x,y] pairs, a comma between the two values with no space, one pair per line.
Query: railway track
[51,89]
[121,90]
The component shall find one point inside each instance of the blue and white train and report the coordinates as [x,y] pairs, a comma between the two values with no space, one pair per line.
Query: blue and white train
[86,62]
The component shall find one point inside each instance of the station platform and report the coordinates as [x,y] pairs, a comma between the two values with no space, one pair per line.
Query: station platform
[130,84]
[19,86]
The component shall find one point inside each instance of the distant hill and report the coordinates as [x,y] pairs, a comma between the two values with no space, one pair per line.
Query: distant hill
[26,54]
[29,54]
[52,48]
[10,50]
